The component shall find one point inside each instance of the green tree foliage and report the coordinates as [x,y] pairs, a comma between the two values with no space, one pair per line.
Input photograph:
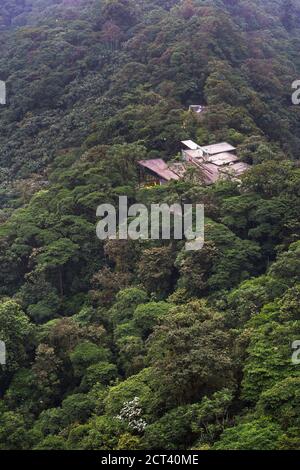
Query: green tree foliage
[190,353]
[15,332]
[85,355]
[259,434]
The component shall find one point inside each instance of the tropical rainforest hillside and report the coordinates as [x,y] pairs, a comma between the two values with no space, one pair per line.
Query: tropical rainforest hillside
[141,344]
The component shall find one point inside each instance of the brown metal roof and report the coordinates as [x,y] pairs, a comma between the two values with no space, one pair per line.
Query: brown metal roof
[179,168]
[210,173]
[160,168]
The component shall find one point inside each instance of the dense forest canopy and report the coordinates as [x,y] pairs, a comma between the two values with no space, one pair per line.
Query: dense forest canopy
[140,344]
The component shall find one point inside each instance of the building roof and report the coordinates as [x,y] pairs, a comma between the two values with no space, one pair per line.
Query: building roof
[190,144]
[160,168]
[212,169]
[238,168]
[194,153]
[224,158]
[213,173]
[210,173]
[218,148]
[178,167]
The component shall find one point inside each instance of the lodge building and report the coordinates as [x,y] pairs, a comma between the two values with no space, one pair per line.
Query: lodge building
[213,162]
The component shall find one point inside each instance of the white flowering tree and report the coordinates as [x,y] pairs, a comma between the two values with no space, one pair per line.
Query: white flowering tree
[131,414]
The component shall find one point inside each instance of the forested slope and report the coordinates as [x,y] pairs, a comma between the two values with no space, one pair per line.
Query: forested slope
[133,345]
